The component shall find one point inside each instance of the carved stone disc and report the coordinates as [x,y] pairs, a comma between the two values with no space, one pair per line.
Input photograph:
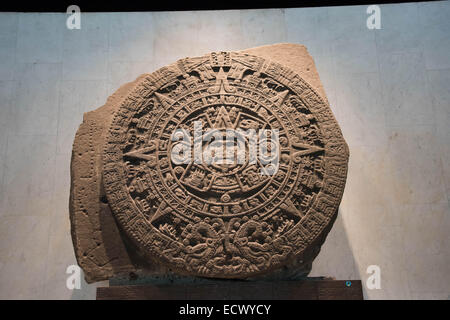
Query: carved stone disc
[224,220]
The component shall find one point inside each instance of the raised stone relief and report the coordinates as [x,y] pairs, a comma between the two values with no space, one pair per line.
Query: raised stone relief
[243,218]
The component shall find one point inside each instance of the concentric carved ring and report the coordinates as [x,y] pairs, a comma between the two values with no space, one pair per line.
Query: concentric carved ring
[226,220]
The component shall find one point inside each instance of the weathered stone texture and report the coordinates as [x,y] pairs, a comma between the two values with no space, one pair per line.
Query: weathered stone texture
[131,207]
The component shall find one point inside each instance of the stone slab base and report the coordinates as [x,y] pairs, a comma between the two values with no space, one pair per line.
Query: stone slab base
[238,290]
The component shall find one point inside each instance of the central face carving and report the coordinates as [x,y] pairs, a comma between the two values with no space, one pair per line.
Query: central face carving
[222,166]
[187,178]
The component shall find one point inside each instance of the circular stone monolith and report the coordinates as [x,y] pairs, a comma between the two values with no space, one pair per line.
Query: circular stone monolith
[240,218]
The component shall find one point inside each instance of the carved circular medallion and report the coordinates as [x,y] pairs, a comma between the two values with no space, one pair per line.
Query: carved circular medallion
[226,165]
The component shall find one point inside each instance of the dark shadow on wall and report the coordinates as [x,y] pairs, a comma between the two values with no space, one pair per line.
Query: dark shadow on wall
[336,258]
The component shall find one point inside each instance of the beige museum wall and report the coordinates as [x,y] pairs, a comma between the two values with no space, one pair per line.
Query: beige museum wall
[389,89]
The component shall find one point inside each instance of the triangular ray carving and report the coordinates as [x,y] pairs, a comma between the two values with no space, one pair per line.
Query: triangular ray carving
[223,119]
[290,208]
[165,101]
[279,98]
[143,154]
[306,150]
[162,210]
